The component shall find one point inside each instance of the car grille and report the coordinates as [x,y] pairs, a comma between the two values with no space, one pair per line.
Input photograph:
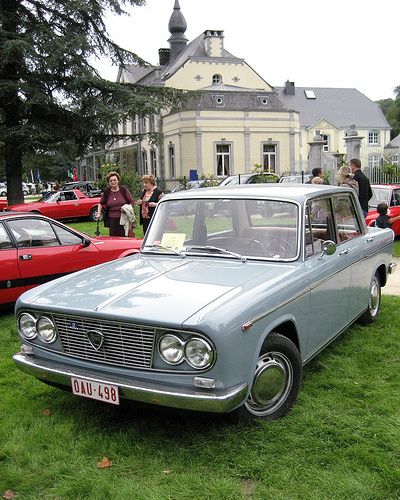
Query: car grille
[124,344]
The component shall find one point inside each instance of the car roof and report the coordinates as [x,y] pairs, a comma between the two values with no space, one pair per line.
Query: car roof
[15,215]
[295,192]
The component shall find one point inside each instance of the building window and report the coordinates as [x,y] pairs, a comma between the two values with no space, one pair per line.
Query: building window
[373,160]
[142,125]
[223,159]
[217,79]
[124,131]
[269,157]
[219,101]
[373,138]
[133,126]
[153,161]
[144,161]
[171,156]
[326,138]
[151,123]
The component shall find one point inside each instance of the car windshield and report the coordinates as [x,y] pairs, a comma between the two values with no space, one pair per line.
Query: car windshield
[380,194]
[48,197]
[231,228]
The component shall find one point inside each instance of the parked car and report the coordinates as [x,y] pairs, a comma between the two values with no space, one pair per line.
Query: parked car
[296,179]
[87,187]
[195,184]
[3,204]
[35,249]
[252,178]
[390,195]
[3,189]
[221,309]
[61,205]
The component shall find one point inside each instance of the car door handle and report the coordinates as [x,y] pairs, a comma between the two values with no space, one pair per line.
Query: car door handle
[345,252]
[369,240]
[26,256]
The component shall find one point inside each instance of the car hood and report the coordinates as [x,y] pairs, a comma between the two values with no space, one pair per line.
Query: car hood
[24,207]
[152,289]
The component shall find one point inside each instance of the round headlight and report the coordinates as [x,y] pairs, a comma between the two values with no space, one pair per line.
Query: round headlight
[199,353]
[46,330]
[171,349]
[27,326]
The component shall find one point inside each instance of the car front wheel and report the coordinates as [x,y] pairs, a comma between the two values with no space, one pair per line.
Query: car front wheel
[374,302]
[276,381]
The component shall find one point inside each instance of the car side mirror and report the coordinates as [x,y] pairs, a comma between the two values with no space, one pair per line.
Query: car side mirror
[85,242]
[328,248]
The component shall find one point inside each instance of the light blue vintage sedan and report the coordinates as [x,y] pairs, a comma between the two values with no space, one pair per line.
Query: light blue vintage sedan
[234,290]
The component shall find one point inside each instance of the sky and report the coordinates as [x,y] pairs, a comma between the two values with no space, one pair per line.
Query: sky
[341,43]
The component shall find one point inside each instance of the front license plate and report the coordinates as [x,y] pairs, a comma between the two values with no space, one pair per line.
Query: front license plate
[94,390]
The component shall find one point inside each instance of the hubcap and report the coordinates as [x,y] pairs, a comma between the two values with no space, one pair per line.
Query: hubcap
[272,382]
[374,298]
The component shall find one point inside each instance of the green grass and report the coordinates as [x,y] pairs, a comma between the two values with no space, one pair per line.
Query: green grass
[396,247]
[90,227]
[340,441]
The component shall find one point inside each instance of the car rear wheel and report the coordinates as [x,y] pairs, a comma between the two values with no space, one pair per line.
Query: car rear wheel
[276,381]
[374,302]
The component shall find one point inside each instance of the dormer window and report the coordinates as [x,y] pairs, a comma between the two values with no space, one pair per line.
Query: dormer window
[216,79]
[263,101]
[219,100]
[373,138]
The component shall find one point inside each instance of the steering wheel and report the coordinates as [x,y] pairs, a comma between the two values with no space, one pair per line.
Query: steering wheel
[256,244]
[277,245]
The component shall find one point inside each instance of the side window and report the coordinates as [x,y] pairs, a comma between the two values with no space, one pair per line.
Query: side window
[5,242]
[66,237]
[319,225]
[70,195]
[346,219]
[395,200]
[33,233]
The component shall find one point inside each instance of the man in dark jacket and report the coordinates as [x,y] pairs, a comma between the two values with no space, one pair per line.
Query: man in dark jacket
[364,187]
[317,172]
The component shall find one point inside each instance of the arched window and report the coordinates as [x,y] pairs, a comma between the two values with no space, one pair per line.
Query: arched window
[217,79]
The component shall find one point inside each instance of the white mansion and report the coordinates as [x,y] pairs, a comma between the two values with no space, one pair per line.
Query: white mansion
[240,120]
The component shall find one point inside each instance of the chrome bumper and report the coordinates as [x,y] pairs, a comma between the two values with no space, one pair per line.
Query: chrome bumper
[188,398]
[392,267]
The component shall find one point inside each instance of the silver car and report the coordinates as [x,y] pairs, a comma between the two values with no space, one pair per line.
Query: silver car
[227,301]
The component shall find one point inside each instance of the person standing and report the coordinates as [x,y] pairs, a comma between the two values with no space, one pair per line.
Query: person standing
[345,178]
[112,200]
[317,172]
[149,198]
[364,187]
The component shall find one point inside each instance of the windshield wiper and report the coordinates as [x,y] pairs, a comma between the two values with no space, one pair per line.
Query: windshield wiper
[210,248]
[158,246]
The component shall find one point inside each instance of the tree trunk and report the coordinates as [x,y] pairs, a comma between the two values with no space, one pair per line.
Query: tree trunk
[11,104]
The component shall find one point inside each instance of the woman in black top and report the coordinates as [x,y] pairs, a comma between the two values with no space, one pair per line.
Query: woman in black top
[149,198]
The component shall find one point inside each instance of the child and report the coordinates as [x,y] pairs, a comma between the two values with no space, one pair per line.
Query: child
[384,220]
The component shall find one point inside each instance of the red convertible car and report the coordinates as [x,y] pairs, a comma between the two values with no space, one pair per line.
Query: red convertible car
[390,195]
[61,205]
[35,249]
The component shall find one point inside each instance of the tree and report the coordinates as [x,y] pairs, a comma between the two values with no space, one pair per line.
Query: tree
[50,93]
[385,104]
[393,115]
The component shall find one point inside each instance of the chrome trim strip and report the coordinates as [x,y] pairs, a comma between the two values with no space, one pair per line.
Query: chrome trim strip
[146,391]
